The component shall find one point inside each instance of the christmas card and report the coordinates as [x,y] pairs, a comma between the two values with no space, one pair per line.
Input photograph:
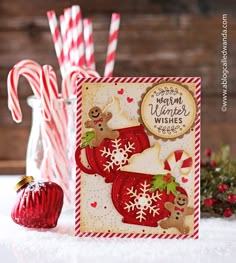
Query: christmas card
[138,157]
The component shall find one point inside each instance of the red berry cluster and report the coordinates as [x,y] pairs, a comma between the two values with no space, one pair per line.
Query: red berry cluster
[210,163]
[231,198]
[218,186]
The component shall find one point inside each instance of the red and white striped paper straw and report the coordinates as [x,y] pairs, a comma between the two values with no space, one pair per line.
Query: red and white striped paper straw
[78,38]
[112,45]
[89,43]
[68,41]
[57,40]
[64,42]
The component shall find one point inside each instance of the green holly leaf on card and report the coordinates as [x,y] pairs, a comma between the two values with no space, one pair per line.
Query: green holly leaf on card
[164,182]
[171,187]
[87,139]
[157,183]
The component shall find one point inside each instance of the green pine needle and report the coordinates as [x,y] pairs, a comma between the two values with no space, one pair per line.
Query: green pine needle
[219,168]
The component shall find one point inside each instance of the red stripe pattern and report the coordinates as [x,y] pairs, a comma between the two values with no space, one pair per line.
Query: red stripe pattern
[187,163]
[178,154]
[197,82]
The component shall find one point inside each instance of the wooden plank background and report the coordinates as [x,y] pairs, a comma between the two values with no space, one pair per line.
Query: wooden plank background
[157,38]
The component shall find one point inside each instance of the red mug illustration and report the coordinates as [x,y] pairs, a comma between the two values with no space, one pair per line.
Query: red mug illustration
[134,200]
[108,158]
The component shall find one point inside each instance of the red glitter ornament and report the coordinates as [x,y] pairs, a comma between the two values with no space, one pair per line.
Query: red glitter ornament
[38,204]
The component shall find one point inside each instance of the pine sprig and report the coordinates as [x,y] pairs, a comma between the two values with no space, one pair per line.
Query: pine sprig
[218,183]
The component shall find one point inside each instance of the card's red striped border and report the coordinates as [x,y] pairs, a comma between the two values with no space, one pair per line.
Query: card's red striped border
[197,82]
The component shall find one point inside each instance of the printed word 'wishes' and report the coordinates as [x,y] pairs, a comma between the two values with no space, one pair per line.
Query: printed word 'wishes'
[168,110]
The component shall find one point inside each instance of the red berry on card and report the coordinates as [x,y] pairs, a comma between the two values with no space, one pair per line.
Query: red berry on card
[208,202]
[222,188]
[167,178]
[228,212]
[38,204]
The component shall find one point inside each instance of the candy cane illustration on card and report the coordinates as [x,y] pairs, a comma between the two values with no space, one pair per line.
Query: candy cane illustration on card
[138,157]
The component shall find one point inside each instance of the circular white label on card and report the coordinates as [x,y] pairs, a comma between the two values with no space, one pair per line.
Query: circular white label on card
[168,110]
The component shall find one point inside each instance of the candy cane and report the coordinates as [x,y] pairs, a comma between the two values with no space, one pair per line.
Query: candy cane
[180,158]
[69,82]
[52,131]
[45,90]
[31,71]
[50,97]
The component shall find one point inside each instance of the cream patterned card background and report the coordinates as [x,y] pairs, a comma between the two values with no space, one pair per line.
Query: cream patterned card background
[137,157]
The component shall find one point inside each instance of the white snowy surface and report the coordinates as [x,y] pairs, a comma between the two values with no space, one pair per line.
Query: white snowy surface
[217,242]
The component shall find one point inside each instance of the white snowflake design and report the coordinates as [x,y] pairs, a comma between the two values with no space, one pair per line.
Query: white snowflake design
[143,201]
[118,156]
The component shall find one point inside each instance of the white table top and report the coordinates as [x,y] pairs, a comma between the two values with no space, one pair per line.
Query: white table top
[217,241]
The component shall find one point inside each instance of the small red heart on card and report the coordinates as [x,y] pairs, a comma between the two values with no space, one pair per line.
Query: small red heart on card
[129,99]
[120,92]
[184,180]
[94,204]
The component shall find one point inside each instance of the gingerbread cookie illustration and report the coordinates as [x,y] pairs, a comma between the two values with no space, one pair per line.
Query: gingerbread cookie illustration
[179,210]
[98,121]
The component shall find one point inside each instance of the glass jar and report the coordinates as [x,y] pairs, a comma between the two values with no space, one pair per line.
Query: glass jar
[35,153]
[51,145]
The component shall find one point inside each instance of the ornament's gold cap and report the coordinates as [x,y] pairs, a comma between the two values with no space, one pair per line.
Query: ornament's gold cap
[22,181]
